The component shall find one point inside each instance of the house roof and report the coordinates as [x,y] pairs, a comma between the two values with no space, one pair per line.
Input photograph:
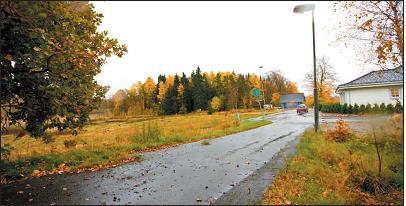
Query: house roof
[376,78]
[294,97]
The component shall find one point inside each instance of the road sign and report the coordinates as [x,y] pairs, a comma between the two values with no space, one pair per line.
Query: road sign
[256,93]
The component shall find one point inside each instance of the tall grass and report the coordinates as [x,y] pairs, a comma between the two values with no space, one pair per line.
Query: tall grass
[149,133]
[109,141]
[325,171]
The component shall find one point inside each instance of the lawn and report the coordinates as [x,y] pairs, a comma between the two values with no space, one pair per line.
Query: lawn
[325,171]
[109,142]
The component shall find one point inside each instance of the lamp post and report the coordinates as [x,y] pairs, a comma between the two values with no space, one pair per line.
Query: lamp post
[263,93]
[301,9]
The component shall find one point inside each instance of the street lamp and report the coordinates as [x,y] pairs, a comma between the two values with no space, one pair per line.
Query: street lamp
[263,93]
[301,9]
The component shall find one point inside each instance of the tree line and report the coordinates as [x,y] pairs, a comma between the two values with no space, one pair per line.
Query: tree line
[180,94]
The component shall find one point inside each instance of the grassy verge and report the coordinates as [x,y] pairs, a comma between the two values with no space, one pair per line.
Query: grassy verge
[346,172]
[106,143]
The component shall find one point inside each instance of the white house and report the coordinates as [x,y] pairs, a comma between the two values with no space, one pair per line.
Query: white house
[383,86]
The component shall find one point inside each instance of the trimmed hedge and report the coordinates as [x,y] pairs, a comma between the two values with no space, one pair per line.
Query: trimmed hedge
[361,109]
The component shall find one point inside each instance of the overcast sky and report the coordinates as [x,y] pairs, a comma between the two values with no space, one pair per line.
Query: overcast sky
[176,37]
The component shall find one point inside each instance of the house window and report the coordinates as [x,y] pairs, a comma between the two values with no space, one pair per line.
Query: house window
[394,93]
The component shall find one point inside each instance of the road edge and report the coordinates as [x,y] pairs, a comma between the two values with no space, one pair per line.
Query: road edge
[251,189]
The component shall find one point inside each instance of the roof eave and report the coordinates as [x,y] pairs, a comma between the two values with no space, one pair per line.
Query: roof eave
[341,87]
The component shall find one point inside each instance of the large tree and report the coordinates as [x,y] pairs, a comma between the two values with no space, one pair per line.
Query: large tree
[376,27]
[200,88]
[326,78]
[49,55]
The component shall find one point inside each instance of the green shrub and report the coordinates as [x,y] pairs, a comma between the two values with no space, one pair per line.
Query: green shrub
[350,109]
[330,108]
[209,109]
[375,109]
[344,109]
[356,109]
[327,108]
[368,108]
[398,107]
[336,108]
[390,109]
[323,107]
[362,109]
[382,108]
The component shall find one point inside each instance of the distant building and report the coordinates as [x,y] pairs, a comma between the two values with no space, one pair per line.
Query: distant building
[376,87]
[291,100]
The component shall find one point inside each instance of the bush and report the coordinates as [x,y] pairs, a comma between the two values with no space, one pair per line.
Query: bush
[333,108]
[215,103]
[356,109]
[382,108]
[340,133]
[375,109]
[321,109]
[398,108]
[344,109]
[362,109]
[390,109]
[368,108]
[209,109]
[350,109]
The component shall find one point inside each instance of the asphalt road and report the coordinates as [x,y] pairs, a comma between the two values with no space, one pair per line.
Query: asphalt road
[188,174]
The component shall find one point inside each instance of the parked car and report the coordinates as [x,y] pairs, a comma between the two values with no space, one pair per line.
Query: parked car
[301,109]
[267,106]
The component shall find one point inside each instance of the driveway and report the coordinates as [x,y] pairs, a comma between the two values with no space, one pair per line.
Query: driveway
[188,174]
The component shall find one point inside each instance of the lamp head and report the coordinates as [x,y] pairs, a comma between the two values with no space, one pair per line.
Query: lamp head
[303,8]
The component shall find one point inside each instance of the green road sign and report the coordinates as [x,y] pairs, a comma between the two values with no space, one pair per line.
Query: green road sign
[256,92]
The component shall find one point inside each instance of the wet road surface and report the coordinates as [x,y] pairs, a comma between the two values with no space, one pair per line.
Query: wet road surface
[188,174]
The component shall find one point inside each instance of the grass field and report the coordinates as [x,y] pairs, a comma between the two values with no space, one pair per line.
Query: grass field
[107,142]
[328,172]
